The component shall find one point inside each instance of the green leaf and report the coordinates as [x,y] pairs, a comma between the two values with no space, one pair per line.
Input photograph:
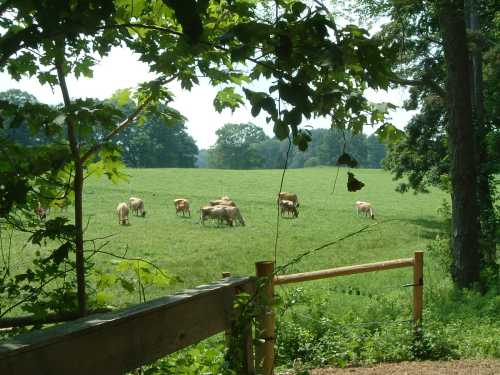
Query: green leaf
[227,98]
[121,97]
[388,133]
[83,67]
[127,285]
[298,8]
[281,130]
[346,159]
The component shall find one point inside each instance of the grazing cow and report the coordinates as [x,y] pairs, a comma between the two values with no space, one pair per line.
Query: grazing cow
[234,214]
[137,206]
[222,202]
[214,212]
[182,205]
[286,196]
[41,212]
[364,207]
[288,207]
[122,212]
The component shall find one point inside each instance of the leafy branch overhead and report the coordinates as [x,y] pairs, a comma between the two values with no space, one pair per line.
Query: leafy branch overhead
[317,67]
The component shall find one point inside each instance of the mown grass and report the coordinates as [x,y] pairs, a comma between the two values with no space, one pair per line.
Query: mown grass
[198,254]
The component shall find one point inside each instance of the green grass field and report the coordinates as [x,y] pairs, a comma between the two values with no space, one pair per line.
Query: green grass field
[198,254]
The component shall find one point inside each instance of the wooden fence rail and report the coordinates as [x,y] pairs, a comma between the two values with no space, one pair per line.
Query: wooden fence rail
[265,356]
[117,342]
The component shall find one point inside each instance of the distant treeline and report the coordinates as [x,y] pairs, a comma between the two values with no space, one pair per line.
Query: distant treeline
[159,142]
[162,142]
[246,146]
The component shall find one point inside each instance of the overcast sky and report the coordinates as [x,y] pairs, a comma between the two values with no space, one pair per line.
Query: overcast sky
[122,69]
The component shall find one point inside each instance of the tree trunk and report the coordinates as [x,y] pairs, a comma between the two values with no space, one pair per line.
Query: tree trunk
[488,220]
[77,183]
[465,213]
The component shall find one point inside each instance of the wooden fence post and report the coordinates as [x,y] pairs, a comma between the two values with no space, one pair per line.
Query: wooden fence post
[418,287]
[265,330]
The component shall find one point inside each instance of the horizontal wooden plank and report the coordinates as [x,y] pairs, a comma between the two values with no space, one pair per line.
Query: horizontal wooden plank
[341,271]
[30,320]
[116,342]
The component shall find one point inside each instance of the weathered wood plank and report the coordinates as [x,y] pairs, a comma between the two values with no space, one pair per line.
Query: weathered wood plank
[114,343]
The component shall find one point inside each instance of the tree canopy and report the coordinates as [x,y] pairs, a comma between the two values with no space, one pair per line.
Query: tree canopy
[236,150]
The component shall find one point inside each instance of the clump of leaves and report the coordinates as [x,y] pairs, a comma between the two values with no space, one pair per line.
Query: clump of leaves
[346,159]
[132,275]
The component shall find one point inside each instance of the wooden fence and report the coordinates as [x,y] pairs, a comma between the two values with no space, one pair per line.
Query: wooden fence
[117,342]
[265,356]
[114,343]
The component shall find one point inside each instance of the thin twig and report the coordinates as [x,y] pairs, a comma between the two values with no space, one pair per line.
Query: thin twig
[136,259]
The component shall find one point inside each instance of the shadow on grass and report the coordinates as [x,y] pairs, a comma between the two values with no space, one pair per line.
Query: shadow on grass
[429,227]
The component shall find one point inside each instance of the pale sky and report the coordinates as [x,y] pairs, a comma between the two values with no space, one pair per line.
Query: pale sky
[122,69]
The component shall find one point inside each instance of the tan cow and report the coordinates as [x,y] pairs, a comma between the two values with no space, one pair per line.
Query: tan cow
[364,207]
[182,205]
[122,212]
[222,202]
[286,196]
[137,206]
[288,207]
[234,215]
[214,212]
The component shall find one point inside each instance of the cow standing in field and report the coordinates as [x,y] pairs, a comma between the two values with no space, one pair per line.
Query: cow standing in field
[182,205]
[122,212]
[228,214]
[214,212]
[364,207]
[137,206]
[286,196]
[288,207]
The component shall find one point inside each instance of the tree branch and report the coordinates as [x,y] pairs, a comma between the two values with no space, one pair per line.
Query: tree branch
[78,180]
[133,259]
[96,147]
[433,86]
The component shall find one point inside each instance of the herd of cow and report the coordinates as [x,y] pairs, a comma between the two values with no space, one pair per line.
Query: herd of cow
[224,209]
